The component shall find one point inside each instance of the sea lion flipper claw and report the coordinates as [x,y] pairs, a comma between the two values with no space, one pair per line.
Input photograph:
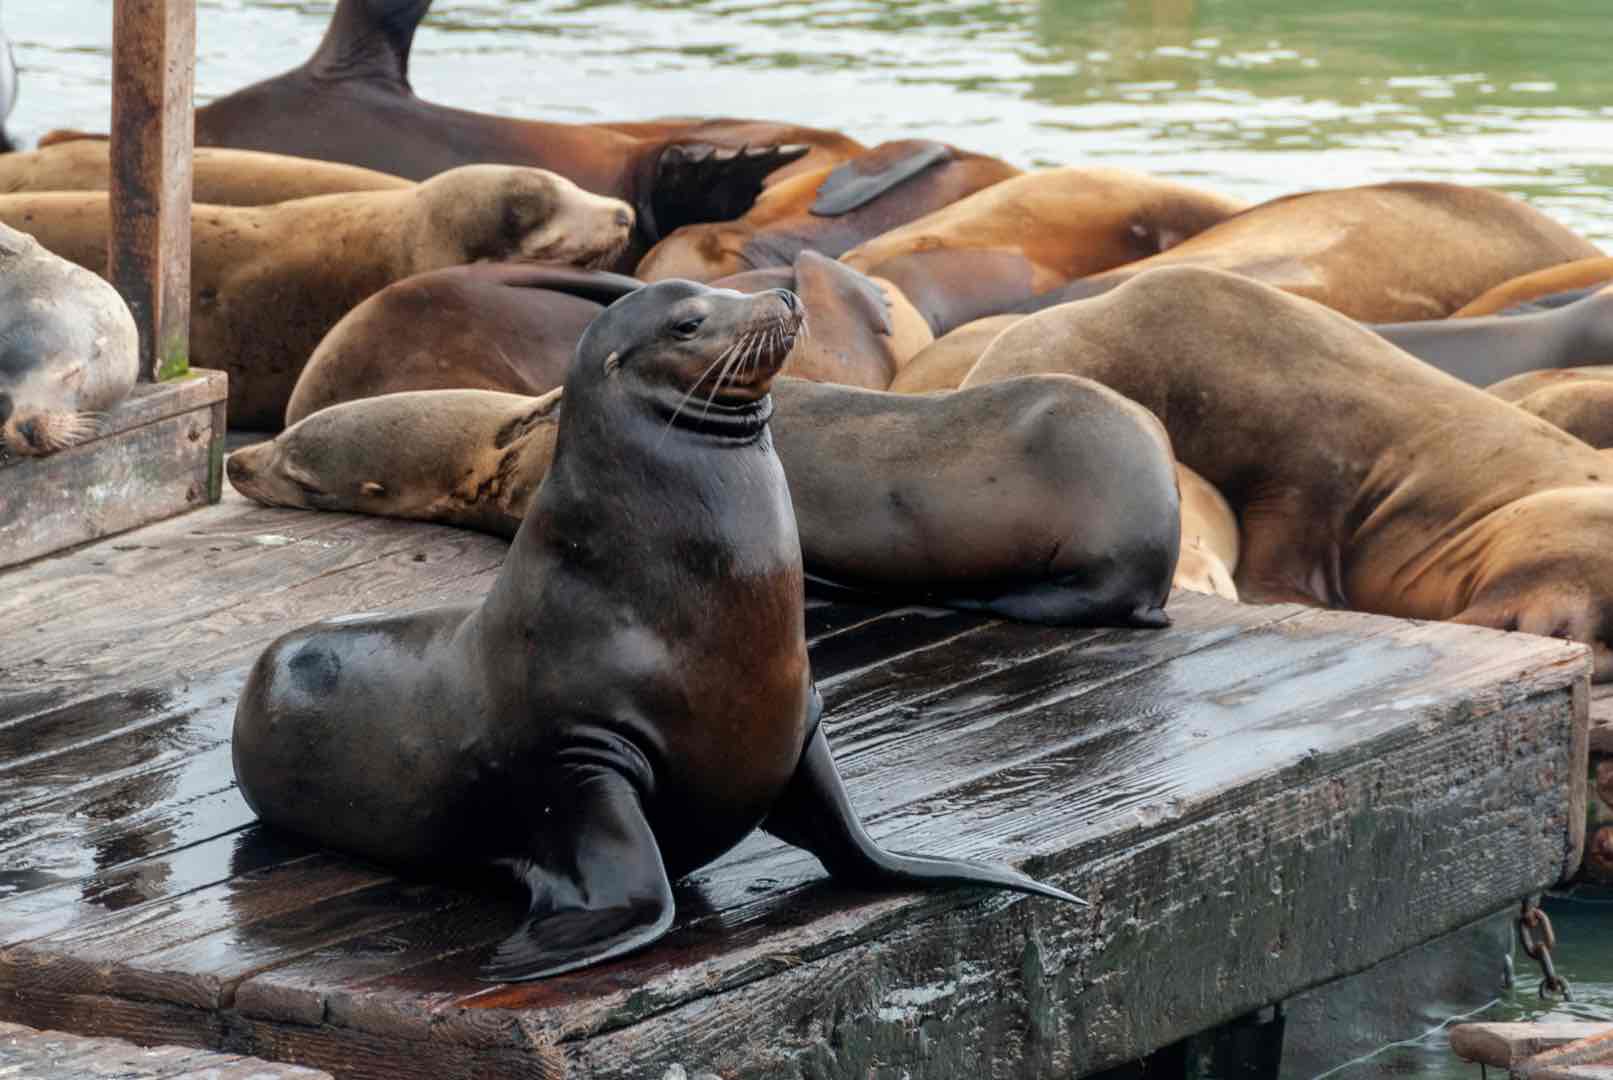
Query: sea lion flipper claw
[814,813]
[694,183]
[599,888]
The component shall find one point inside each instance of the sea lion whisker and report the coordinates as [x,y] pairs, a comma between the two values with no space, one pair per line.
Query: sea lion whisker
[693,387]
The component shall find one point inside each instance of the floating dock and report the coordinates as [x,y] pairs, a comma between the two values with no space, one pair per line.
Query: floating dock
[1256,801]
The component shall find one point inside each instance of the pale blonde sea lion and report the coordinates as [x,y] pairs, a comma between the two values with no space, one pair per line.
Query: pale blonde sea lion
[1209,538]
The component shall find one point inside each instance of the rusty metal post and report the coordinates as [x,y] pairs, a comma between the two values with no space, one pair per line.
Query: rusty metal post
[153,128]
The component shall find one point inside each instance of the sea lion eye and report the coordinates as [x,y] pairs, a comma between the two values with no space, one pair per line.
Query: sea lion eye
[688,327]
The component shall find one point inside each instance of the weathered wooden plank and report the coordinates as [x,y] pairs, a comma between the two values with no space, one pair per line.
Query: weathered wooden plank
[148,258]
[1506,1044]
[55,1055]
[154,458]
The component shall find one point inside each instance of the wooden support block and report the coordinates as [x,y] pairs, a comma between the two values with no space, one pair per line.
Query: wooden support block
[148,257]
[53,1055]
[1505,1045]
[160,453]
[1587,1058]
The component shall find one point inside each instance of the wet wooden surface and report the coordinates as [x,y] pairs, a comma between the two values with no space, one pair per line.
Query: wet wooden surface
[53,1055]
[1256,801]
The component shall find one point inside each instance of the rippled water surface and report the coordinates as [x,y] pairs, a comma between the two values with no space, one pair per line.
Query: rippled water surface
[1254,97]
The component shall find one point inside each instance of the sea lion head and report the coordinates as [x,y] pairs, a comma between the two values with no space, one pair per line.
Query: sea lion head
[688,348]
[509,213]
[69,350]
[1548,570]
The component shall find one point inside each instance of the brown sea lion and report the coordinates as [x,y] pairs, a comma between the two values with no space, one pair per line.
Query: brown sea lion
[999,247]
[268,282]
[1486,349]
[943,363]
[1048,499]
[352,102]
[1209,538]
[1382,253]
[1362,478]
[482,327]
[632,697]
[1578,400]
[829,210]
[1566,277]
[70,351]
[219,177]
[513,329]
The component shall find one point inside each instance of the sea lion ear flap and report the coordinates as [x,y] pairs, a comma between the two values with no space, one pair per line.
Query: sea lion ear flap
[599,888]
[697,182]
[814,813]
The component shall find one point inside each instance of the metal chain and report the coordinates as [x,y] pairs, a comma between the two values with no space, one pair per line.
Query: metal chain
[1531,918]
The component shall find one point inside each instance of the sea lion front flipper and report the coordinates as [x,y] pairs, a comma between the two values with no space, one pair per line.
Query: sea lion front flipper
[814,813]
[858,182]
[697,182]
[599,889]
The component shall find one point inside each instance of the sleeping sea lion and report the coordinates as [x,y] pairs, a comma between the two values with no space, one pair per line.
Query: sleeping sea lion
[1209,538]
[943,363]
[632,697]
[1577,400]
[268,282]
[1382,253]
[1353,467]
[1048,499]
[1566,277]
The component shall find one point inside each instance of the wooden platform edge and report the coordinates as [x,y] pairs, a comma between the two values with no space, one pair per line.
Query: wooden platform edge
[160,452]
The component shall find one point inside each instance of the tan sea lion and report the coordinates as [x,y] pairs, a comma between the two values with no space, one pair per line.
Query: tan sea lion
[268,282]
[1209,538]
[632,697]
[1362,478]
[942,364]
[1382,253]
[1566,277]
[1578,400]
[829,210]
[1048,499]
[218,177]
[987,253]
[70,351]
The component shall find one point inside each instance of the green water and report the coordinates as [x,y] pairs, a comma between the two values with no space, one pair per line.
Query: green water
[1251,97]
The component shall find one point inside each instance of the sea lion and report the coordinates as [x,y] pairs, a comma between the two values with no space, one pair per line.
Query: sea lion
[943,363]
[1361,477]
[1449,243]
[1209,538]
[987,253]
[268,282]
[1578,400]
[1566,277]
[1483,350]
[1050,499]
[829,210]
[632,697]
[481,327]
[218,177]
[356,84]
[513,329]
[70,349]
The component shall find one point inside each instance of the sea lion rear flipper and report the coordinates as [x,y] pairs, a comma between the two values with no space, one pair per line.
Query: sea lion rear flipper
[860,181]
[814,813]
[599,889]
[699,182]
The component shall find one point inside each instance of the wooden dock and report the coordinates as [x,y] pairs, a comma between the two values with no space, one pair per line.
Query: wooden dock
[1256,801]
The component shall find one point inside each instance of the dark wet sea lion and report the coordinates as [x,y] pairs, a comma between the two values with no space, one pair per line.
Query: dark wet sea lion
[218,177]
[482,327]
[829,210]
[1448,242]
[268,282]
[69,352]
[1048,499]
[1485,349]
[999,247]
[632,697]
[352,102]
[1361,477]
[1566,277]
[1578,400]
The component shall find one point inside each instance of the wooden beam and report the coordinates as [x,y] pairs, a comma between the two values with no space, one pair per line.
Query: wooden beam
[148,257]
